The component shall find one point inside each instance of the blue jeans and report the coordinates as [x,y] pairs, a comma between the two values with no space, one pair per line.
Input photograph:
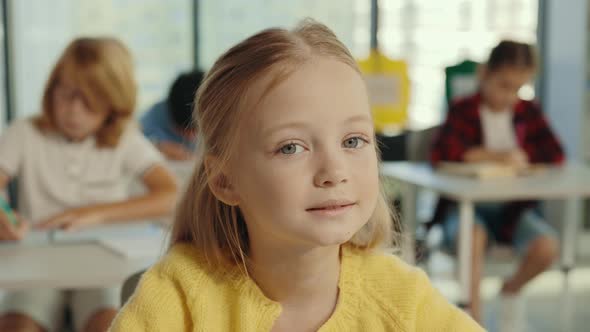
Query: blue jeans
[530,226]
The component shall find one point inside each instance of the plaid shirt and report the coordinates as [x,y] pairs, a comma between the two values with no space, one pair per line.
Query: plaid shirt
[462,131]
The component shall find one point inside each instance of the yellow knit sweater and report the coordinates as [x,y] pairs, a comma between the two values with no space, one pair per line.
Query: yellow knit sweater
[378,292]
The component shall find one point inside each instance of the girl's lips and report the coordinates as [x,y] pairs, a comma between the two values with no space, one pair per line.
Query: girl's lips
[331,208]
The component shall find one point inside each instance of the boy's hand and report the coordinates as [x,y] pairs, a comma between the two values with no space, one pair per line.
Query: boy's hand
[174,151]
[10,232]
[72,220]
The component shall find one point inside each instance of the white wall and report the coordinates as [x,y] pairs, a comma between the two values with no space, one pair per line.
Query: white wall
[564,71]
[563,41]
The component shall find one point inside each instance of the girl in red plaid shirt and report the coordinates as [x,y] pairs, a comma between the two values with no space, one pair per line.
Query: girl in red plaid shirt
[496,125]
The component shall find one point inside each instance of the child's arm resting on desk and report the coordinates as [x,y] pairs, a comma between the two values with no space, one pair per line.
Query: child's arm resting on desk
[541,143]
[435,313]
[157,202]
[174,151]
[455,136]
[157,305]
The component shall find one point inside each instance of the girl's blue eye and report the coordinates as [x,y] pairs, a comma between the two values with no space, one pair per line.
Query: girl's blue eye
[354,143]
[291,148]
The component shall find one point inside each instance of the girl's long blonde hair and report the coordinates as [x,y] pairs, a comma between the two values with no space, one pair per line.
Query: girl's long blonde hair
[218,230]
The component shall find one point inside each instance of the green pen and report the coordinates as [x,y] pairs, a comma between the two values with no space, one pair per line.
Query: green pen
[8,211]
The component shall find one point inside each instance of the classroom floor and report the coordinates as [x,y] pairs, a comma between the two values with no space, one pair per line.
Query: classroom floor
[549,308]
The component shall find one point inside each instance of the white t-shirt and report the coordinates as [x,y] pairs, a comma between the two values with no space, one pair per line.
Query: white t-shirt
[55,175]
[498,130]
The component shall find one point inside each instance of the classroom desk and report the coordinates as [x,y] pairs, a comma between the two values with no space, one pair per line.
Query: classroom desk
[69,264]
[569,183]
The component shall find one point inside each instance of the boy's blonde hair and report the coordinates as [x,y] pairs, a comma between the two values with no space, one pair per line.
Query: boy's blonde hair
[216,229]
[102,69]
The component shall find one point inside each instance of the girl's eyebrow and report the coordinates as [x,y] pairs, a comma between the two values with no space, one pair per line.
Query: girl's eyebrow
[302,124]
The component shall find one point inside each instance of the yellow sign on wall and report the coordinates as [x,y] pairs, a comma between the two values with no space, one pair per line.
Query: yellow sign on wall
[389,91]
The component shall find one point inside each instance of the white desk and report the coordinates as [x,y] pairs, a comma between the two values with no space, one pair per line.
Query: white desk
[71,265]
[568,183]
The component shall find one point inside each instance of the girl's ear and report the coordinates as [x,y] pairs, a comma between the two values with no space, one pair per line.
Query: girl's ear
[219,182]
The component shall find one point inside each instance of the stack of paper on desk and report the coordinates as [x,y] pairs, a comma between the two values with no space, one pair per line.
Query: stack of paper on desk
[136,247]
[131,240]
[128,230]
[486,170]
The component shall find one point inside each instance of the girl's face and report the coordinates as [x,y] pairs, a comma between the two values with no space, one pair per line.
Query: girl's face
[500,87]
[305,171]
[72,113]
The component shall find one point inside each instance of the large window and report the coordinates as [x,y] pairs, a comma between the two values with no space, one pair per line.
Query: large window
[224,23]
[431,35]
[159,34]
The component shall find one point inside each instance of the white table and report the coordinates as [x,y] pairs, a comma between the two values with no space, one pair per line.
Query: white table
[70,263]
[569,183]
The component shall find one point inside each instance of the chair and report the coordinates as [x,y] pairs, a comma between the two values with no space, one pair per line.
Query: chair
[129,286]
[460,80]
[418,143]
[393,148]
